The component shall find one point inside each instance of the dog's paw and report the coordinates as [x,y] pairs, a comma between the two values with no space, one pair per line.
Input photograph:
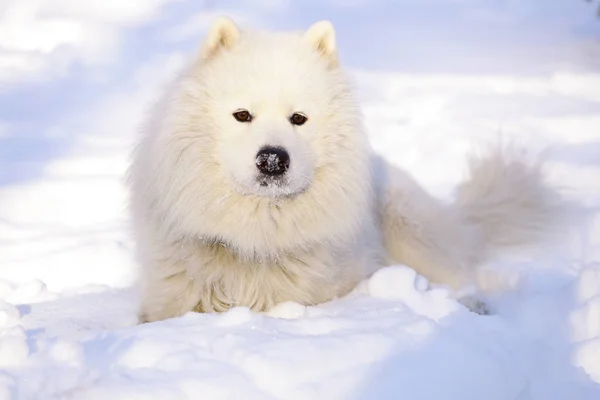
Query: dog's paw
[142,318]
[476,305]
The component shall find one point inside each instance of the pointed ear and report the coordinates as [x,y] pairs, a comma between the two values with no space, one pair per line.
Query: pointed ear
[321,35]
[223,34]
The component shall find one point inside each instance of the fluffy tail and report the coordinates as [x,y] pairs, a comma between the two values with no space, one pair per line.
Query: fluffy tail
[507,198]
[505,202]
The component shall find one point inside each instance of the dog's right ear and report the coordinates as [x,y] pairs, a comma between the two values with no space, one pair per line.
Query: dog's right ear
[223,34]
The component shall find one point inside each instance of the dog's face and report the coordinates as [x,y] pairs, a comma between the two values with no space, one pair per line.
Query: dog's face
[274,103]
[266,132]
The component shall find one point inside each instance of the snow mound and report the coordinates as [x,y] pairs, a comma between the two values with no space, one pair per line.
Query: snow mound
[392,336]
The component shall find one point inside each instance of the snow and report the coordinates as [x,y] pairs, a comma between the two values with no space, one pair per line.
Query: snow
[458,75]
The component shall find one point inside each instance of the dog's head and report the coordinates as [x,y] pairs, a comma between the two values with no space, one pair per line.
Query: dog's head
[267,123]
[279,106]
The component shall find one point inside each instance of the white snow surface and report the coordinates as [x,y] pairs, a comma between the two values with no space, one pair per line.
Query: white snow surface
[527,71]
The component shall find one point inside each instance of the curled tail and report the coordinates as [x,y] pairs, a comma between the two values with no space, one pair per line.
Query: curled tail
[508,199]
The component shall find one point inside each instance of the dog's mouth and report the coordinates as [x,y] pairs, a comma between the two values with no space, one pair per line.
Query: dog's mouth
[272,181]
[272,187]
[290,184]
[277,187]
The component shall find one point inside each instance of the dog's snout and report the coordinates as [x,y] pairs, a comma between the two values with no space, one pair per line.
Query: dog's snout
[272,161]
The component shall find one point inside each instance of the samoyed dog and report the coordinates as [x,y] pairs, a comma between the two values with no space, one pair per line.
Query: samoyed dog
[254,183]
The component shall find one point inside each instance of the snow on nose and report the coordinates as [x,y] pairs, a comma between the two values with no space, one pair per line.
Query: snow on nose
[272,161]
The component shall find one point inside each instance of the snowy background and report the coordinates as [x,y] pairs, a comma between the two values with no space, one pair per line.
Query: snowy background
[436,79]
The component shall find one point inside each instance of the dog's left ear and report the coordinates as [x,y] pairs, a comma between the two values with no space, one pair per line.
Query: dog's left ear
[321,35]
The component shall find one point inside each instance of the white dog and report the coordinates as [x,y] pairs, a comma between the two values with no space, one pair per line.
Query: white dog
[254,183]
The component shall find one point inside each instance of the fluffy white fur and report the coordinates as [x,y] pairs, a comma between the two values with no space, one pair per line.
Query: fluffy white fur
[210,236]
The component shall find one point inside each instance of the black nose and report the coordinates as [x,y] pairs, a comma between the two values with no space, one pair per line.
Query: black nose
[272,161]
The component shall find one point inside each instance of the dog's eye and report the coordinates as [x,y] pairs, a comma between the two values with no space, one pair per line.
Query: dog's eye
[298,119]
[242,116]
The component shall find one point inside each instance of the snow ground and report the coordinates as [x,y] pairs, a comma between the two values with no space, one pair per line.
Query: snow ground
[461,73]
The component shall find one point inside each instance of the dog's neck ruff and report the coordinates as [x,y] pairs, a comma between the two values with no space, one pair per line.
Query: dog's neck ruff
[257,257]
